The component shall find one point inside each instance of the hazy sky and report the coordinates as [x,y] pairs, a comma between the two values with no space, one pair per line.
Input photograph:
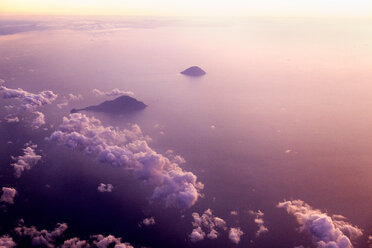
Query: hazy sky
[190,7]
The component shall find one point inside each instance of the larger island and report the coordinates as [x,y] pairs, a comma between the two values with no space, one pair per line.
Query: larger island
[120,105]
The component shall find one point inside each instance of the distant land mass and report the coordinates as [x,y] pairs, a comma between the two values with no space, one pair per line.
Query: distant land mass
[120,105]
[194,71]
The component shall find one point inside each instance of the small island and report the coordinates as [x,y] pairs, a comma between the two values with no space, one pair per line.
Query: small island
[193,71]
[120,105]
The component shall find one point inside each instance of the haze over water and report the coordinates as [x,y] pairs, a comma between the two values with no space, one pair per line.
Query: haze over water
[284,112]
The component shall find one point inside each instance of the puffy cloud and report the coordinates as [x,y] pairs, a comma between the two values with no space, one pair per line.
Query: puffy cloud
[206,223]
[129,149]
[105,188]
[29,101]
[8,195]
[113,92]
[6,242]
[149,221]
[42,238]
[260,222]
[11,118]
[26,161]
[235,234]
[330,232]
[38,121]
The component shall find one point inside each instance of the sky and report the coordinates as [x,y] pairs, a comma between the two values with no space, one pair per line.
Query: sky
[237,8]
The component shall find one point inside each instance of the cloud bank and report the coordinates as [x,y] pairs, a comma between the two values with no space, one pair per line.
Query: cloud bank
[26,161]
[327,232]
[129,149]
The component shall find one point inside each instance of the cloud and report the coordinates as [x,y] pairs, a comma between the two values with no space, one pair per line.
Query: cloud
[11,118]
[234,212]
[105,188]
[113,92]
[29,101]
[326,231]
[70,97]
[260,222]
[129,149]
[206,223]
[6,242]
[31,236]
[26,161]
[8,195]
[235,234]
[148,221]
[38,121]
[41,238]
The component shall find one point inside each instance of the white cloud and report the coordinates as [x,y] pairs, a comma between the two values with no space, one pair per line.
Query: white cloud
[6,242]
[8,195]
[29,101]
[129,149]
[326,231]
[149,221]
[70,97]
[11,118]
[26,161]
[105,188]
[31,236]
[113,92]
[38,121]
[206,223]
[235,234]
[259,221]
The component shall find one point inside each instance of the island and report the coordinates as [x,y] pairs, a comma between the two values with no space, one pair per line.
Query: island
[120,105]
[193,71]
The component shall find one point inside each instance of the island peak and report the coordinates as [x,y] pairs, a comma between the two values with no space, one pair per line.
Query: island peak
[194,71]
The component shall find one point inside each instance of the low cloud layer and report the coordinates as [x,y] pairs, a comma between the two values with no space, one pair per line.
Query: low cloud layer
[105,188]
[206,225]
[327,231]
[129,149]
[8,195]
[25,161]
[113,92]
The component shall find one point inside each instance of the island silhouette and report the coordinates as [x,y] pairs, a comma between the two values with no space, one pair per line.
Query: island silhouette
[193,71]
[120,105]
